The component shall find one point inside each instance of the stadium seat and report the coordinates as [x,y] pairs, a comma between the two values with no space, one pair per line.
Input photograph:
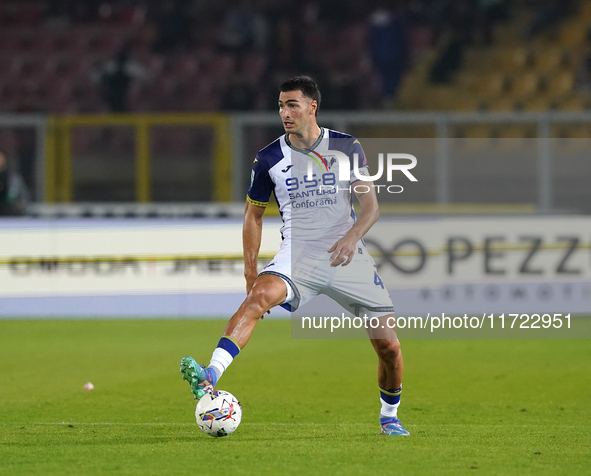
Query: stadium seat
[28,13]
[253,66]
[550,60]
[574,103]
[203,97]
[525,86]
[183,67]
[57,94]
[82,66]
[539,104]
[10,67]
[492,85]
[573,33]
[108,41]
[503,104]
[221,69]
[77,39]
[561,84]
[45,40]
[512,60]
[154,63]
[353,38]
[7,95]
[315,39]
[10,41]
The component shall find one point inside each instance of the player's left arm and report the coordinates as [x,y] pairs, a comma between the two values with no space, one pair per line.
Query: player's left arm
[344,249]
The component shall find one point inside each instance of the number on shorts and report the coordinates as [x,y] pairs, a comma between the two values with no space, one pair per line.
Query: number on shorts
[377,281]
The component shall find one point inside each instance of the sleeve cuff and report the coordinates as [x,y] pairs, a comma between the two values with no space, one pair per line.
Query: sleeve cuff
[255,202]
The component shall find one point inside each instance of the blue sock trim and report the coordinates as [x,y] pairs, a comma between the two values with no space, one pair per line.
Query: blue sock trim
[392,397]
[229,346]
[212,376]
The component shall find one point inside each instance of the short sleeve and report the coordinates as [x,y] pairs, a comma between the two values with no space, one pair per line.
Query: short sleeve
[357,154]
[261,184]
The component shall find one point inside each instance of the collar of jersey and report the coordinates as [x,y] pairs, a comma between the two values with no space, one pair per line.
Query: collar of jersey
[316,144]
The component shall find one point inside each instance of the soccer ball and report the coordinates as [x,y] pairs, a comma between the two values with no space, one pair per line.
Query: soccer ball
[218,413]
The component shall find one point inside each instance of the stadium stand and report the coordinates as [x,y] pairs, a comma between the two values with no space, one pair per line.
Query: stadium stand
[226,56]
[516,71]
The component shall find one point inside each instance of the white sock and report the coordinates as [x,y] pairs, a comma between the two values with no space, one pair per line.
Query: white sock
[220,361]
[389,410]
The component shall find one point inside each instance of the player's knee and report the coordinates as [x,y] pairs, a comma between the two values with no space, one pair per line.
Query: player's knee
[261,298]
[388,349]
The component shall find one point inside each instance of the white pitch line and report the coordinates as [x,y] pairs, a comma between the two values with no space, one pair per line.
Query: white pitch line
[169,424]
[278,424]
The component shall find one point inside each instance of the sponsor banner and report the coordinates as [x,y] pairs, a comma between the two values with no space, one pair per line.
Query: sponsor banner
[492,264]
[194,267]
[102,258]
[133,268]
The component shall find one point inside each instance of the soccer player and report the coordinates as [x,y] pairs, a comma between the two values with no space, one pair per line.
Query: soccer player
[322,251]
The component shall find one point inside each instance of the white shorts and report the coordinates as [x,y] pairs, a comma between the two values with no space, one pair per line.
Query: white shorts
[357,287]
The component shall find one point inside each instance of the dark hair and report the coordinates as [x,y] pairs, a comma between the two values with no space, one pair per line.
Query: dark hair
[306,85]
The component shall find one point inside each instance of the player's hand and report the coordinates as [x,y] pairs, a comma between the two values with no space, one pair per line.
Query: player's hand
[342,252]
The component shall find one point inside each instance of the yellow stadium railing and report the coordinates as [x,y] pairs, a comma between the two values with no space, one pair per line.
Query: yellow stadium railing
[58,157]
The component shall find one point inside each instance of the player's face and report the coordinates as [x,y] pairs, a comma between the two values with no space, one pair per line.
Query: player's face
[296,111]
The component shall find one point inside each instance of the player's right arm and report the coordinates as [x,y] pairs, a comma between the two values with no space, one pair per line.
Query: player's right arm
[252,231]
[257,199]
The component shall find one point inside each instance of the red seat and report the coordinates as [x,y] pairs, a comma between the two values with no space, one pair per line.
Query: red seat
[221,69]
[10,67]
[185,66]
[154,63]
[77,39]
[203,95]
[44,40]
[354,38]
[253,66]
[10,41]
[108,41]
[57,94]
[28,13]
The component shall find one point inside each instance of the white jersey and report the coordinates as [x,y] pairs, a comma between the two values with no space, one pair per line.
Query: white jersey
[316,209]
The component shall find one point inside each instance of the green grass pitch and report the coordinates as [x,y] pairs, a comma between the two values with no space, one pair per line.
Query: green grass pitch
[309,406]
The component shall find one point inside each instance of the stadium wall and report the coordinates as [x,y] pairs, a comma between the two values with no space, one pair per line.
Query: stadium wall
[193,268]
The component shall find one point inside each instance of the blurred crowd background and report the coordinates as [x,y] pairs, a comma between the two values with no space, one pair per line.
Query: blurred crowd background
[61,60]
[75,56]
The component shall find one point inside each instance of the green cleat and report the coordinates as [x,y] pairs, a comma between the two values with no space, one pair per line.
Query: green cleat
[200,378]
